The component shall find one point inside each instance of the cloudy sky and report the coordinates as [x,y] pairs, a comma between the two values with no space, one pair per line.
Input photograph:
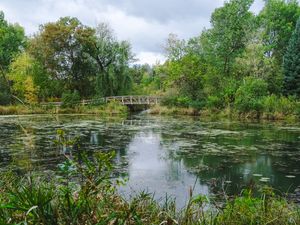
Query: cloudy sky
[145,23]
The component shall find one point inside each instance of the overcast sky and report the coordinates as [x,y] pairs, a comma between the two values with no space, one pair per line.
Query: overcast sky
[145,23]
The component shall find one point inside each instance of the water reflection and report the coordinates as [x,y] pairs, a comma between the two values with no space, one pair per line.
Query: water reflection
[162,154]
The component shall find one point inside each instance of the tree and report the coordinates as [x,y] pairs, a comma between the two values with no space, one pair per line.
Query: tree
[278,20]
[22,72]
[186,75]
[112,59]
[12,41]
[291,64]
[62,49]
[228,36]
[174,48]
[254,62]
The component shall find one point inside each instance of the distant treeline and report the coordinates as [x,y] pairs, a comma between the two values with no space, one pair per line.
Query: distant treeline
[244,62]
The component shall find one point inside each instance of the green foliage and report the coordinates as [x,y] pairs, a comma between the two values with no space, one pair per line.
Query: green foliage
[175,48]
[291,64]
[12,39]
[147,80]
[21,74]
[186,75]
[280,105]
[181,101]
[61,48]
[278,20]
[265,210]
[112,60]
[115,107]
[236,63]
[228,35]
[253,62]
[70,99]
[249,95]
[214,102]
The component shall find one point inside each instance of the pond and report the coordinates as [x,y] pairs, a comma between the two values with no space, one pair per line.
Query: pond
[163,154]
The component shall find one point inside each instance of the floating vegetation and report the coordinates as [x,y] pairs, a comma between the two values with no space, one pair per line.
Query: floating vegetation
[198,169]
[257,175]
[264,179]
[290,176]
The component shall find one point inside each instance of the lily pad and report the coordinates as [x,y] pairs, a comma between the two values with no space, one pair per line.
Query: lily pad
[290,176]
[264,179]
[257,175]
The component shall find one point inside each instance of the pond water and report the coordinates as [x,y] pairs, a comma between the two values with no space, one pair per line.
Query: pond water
[163,154]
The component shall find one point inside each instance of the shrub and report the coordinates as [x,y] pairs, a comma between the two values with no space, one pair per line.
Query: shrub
[183,101]
[287,105]
[249,95]
[169,100]
[270,103]
[280,105]
[115,107]
[70,99]
[214,102]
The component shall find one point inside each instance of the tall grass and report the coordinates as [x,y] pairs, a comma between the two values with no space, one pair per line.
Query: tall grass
[112,108]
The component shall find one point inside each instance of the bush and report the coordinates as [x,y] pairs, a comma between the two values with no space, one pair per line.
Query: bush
[250,94]
[280,105]
[169,100]
[115,107]
[214,102]
[183,101]
[70,99]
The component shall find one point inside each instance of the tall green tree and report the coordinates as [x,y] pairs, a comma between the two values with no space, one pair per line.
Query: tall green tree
[62,49]
[278,20]
[28,80]
[112,58]
[291,64]
[254,62]
[12,41]
[231,25]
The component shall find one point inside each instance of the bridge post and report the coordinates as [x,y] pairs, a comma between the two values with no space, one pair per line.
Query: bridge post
[131,100]
[122,100]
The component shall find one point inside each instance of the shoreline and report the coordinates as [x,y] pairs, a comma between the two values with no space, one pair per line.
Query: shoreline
[120,110]
[224,114]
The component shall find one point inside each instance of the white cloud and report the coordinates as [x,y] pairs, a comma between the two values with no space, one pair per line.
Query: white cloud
[150,57]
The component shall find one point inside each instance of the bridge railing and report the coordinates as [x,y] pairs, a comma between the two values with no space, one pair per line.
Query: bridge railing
[125,100]
[135,100]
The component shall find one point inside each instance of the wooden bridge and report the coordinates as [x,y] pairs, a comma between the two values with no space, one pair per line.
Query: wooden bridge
[124,100]
[134,100]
